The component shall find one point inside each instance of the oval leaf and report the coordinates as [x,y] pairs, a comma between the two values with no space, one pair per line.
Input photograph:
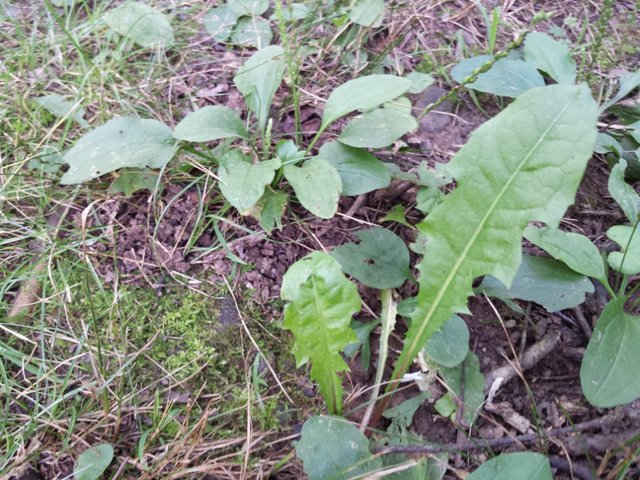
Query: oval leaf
[210,123]
[248,7]
[608,374]
[93,462]
[506,78]
[514,466]
[623,193]
[449,345]
[322,302]
[380,260]
[523,165]
[253,32]
[142,24]
[363,93]
[241,182]
[331,447]
[219,22]
[61,108]
[550,56]
[317,185]
[368,13]
[377,128]
[628,260]
[121,142]
[359,170]
[575,250]
[259,78]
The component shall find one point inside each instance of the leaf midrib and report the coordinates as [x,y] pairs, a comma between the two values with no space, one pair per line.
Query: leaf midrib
[454,271]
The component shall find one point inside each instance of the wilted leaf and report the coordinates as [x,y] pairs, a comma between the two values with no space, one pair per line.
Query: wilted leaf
[259,78]
[93,462]
[550,56]
[321,304]
[377,128]
[506,78]
[219,22]
[523,165]
[362,93]
[514,466]
[252,31]
[359,170]
[575,250]
[368,13]
[544,281]
[142,24]
[449,345]
[608,374]
[210,123]
[61,108]
[380,260]
[332,448]
[628,260]
[243,183]
[121,142]
[317,185]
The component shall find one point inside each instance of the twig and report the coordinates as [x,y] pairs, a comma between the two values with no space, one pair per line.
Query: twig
[479,444]
[575,469]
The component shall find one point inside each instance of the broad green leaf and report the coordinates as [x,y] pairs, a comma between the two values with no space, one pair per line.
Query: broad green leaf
[61,108]
[253,32]
[609,371]
[449,346]
[506,78]
[212,122]
[270,209]
[130,181]
[93,462]
[623,193]
[288,152]
[575,250]
[396,214]
[142,24]
[259,78]
[544,281]
[368,13]
[359,170]
[627,84]
[523,165]
[550,56]
[121,142]
[419,82]
[321,304]
[467,383]
[377,128]
[219,22]
[242,182]
[332,448]
[628,260]
[248,7]
[317,185]
[380,260]
[514,466]
[606,143]
[362,93]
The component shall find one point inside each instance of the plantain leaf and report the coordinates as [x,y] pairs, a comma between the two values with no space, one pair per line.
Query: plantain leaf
[550,56]
[219,22]
[93,462]
[608,373]
[627,84]
[252,31]
[121,142]
[317,185]
[628,260]
[270,209]
[507,78]
[514,466]
[368,13]
[142,24]
[360,171]
[523,165]
[321,304]
[623,193]
[259,78]
[575,250]
[212,122]
[378,128]
[241,182]
[362,93]
[61,108]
